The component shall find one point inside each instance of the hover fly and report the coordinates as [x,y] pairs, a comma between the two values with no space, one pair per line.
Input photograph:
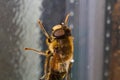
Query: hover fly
[59,55]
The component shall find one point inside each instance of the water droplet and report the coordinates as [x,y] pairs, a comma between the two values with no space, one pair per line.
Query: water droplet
[107,34]
[107,48]
[71,26]
[109,7]
[71,13]
[108,21]
[72,60]
[106,61]
[106,74]
[72,1]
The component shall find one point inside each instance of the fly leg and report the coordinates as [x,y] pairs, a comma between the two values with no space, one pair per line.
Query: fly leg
[47,66]
[68,76]
[47,55]
[37,51]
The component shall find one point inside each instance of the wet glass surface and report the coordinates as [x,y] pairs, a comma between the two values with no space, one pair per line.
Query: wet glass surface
[18,29]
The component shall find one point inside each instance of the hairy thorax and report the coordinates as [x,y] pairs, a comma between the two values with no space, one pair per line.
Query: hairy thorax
[62,50]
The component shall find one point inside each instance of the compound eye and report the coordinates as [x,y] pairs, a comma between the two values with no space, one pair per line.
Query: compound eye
[59,33]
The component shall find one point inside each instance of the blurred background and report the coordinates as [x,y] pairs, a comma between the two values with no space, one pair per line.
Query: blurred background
[95,26]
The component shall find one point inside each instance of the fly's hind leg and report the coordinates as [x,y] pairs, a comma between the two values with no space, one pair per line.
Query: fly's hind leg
[47,66]
[68,76]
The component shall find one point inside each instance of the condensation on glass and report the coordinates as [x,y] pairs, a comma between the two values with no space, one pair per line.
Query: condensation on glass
[18,29]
